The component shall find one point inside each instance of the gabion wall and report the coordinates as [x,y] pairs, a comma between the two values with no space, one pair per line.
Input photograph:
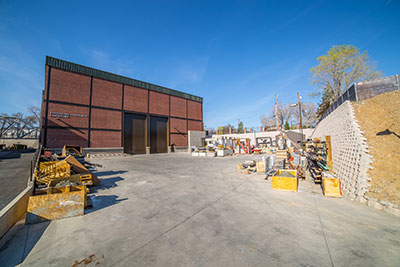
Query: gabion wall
[349,150]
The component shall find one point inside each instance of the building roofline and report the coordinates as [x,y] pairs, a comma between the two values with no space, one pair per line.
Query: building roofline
[73,67]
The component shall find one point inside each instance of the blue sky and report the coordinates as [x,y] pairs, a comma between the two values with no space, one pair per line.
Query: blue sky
[235,54]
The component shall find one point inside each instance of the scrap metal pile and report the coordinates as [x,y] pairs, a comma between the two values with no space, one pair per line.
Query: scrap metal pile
[319,165]
[317,161]
[252,166]
[212,150]
[281,166]
[60,186]
[13,147]
[289,163]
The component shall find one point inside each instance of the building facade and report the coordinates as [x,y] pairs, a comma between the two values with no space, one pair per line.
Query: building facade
[97,109]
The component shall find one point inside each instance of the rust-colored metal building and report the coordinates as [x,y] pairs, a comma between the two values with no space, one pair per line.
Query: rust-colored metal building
[101,110]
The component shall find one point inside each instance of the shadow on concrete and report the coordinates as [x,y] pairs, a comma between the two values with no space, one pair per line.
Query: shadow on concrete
[16,245]
[107,173]
[9,155]
[101,202]
[14,154]
[388,132]
[35,232]
[106,183]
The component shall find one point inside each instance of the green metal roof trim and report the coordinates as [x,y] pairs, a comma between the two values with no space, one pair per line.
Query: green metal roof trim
[69,66]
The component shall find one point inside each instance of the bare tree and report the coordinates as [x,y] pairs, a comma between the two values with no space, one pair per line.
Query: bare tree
[308,111]
[268,121]
[288,114]
[285,114]
[34,114]
[309,115]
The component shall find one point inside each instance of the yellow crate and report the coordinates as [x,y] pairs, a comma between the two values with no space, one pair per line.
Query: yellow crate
[331,187]
[285,183]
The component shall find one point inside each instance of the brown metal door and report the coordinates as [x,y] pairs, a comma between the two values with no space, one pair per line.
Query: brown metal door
[158,135]
[134,134]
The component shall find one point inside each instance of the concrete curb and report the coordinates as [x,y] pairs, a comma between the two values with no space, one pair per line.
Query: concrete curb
[14,211]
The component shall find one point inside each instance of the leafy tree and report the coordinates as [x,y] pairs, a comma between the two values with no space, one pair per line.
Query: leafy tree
[240,127]
[342,66]
[326,100]
[225,129]
[285,113]
[287,126]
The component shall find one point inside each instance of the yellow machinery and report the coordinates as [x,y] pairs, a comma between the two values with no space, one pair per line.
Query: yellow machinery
[71,150]
[78,168]
[60,191]
[77,179]
[46,164]
[53,171]
[285,180]
[57,203]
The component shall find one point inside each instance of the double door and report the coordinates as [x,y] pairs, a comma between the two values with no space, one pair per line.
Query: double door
[136,129]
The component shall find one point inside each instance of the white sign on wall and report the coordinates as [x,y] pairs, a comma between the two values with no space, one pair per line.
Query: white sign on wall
[66,115]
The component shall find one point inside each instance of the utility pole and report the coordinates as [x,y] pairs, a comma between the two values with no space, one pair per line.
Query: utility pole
[277,113]
[300,118]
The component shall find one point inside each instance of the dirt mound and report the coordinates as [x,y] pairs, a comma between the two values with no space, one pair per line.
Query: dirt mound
[379,118]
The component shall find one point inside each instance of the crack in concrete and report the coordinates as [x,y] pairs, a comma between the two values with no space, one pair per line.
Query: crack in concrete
[323,233]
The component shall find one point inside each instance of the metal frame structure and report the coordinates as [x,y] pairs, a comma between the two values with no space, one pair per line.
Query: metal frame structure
[13,127]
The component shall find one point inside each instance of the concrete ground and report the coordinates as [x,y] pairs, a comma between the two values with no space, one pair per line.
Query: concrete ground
[14,174]
[178,210]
